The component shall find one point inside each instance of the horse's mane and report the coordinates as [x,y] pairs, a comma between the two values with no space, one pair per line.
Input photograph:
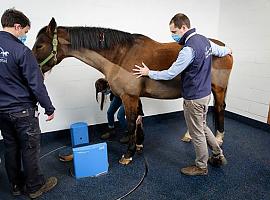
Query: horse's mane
[98,38]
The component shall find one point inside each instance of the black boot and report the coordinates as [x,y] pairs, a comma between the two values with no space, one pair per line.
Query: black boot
[16,190]
[124,139]
[111,133]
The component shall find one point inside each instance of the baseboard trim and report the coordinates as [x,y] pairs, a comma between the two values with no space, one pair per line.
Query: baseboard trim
[252,122]
[94,129]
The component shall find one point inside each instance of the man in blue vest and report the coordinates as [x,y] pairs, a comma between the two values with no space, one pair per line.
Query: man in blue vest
[194,64]
[21,88]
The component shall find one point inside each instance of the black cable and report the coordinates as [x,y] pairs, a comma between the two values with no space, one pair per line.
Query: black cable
[46,154]
[129,192]
[140,182]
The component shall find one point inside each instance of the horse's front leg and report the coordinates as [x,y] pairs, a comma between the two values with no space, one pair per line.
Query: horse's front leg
[130,104]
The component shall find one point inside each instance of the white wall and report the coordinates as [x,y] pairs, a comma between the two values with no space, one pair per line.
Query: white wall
[245,28]
[71,83]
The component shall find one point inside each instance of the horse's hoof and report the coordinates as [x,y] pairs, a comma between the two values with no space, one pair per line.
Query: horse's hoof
[125,161]
[139,149]
[219,138]
[186,137]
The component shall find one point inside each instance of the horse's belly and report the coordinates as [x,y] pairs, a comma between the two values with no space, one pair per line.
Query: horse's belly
[162,89]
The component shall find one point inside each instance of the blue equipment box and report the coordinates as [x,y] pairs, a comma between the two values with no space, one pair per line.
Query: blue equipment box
[90,160]
[79,134]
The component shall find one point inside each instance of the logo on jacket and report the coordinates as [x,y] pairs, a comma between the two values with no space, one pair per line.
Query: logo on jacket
[3,55]
[208,51]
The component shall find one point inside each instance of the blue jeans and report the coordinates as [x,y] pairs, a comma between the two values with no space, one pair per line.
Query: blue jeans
[116,104]
[21,134]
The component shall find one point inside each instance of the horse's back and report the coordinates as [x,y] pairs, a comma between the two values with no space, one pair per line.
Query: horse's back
[217,42]
[157,56]
[160,56]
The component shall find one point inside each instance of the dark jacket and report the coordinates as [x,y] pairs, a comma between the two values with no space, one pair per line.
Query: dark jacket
[196,78]
[21,81]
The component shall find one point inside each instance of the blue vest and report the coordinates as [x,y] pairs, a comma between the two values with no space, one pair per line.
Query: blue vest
[196,78]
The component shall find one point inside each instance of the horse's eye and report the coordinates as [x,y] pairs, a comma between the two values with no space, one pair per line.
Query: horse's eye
[38,46]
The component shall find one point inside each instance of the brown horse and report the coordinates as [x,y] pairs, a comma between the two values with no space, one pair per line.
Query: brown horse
[53,44]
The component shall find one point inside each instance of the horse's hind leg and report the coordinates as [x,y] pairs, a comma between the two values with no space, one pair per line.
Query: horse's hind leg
[139,138]
[219,111]
[139,129]
[130,104]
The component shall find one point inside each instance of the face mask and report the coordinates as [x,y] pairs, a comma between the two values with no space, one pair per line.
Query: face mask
[22,38]
[176,37]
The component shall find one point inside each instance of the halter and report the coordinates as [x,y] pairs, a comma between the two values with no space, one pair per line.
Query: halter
[53,52]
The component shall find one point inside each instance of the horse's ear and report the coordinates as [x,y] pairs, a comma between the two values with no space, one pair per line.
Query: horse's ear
[51,27]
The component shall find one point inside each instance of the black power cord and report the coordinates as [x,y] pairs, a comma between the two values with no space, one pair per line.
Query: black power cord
[129,192]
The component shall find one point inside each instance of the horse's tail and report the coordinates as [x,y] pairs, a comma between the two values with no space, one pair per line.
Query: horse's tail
[214,115]
[220,104]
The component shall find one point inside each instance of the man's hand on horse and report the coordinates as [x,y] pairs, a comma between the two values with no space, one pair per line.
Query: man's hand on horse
[141,71]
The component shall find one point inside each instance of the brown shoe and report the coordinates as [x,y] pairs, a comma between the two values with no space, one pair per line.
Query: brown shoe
[66,158]
[50,183]
[194,171]
[217,160]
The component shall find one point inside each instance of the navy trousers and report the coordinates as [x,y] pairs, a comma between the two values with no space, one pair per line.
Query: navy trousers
[21,134]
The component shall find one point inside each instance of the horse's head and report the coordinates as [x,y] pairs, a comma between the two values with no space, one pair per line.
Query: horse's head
[50,45]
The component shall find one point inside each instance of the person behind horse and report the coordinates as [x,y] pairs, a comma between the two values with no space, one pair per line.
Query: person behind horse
[21,87]
[194,64]
[116,104]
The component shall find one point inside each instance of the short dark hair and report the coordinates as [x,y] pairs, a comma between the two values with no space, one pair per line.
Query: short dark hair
[12,16]
[179,20]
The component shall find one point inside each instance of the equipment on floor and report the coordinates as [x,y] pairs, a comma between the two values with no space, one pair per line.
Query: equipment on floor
[88,160]
[79,134]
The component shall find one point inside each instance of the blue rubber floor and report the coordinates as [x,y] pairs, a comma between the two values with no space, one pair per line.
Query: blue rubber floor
[247,175]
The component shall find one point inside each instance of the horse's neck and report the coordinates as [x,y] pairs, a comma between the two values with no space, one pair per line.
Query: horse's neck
[112,46]
[95,60]
[115,55]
